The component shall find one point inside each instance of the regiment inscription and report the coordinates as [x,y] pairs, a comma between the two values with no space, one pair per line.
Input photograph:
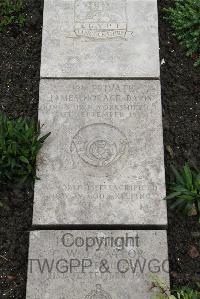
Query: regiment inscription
[99,145]
[100,19]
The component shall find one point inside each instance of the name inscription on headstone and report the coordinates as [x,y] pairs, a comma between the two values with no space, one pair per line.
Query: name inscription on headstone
[103,100]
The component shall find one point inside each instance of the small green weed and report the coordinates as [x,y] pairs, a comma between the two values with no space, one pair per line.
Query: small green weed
[19,146]
[184,18]
[184,193]
[162,287]
[11,12]
[164,291]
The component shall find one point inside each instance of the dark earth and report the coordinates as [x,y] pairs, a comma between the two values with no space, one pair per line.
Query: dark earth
[19,90]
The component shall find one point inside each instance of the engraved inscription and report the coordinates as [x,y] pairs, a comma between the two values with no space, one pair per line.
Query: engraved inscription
[99,293]
[100,144]
[100,19]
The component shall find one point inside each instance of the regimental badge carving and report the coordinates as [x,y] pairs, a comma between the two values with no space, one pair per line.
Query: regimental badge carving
[100,145]
[100,19]
[99,293]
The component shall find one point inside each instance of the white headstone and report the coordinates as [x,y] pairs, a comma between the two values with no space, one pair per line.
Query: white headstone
[100,38]
[103,163]
[95,264]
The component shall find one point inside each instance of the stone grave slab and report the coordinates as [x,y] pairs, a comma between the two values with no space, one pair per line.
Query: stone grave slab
[100,38]
[103,163]
[95,264]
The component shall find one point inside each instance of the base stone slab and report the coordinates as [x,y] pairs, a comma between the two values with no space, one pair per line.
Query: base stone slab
[95,264]
[100,38]
[103,162]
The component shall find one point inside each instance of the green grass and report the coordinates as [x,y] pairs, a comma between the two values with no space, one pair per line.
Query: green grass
[11,13]
[184,18]
[187,293]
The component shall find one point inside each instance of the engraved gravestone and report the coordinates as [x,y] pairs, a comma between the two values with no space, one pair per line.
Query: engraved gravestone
[97,264]
[100,38]
[103,163]
[100,19]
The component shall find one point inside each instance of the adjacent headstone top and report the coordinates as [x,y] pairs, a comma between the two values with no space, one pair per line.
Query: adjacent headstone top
[100,38]
[103,163]
[95,264]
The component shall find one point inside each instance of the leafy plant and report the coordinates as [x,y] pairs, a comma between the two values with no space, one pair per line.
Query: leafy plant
[164,291]
[187,293]
[185,20]
[11,12]
[185,191]
[19,146]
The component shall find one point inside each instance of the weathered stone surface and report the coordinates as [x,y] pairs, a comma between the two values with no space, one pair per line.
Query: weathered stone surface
[76,264]
[101,38]
[103,163]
